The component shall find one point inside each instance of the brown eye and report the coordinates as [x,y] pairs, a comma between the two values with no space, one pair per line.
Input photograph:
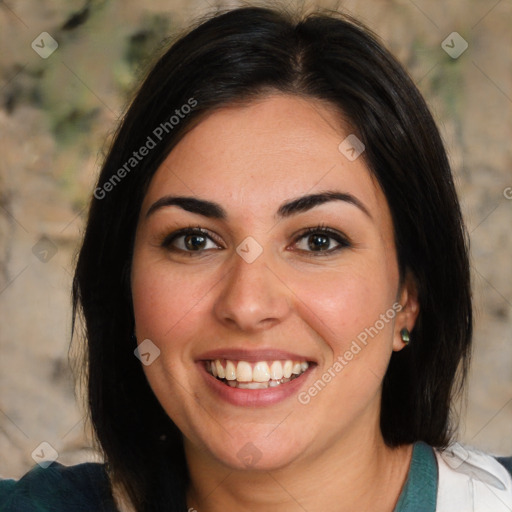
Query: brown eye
[320,240]
[189,240]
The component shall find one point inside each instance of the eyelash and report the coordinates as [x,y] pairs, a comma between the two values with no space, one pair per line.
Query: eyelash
[320,229]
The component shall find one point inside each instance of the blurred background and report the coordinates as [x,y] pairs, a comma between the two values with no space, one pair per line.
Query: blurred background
[66,70]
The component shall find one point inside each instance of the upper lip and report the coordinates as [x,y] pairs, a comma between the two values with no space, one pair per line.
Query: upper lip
[243,354]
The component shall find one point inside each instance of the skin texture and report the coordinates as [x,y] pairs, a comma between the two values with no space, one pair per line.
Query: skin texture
[250,159]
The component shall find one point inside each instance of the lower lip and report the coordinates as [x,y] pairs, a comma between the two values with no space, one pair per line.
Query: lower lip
[254,397]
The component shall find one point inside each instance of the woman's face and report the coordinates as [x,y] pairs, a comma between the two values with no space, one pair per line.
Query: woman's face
[254,290]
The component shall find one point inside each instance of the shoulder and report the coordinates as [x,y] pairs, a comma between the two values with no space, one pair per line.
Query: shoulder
[471,478]
[82,487]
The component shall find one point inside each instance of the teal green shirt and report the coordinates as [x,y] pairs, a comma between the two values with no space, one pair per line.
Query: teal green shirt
[85,487]
[420,490]
[80,488]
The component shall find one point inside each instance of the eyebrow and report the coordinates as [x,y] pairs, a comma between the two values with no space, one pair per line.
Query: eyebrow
[216,211]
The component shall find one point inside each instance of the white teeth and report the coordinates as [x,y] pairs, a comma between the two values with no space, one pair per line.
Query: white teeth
[220,370]
[230,370]
[252,385]
[261,372]
[259,375]
[287,369]
[243,372]
[276,370]
[296,369]
[259,385]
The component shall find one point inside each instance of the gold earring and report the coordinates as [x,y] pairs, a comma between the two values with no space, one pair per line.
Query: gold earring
[405,335]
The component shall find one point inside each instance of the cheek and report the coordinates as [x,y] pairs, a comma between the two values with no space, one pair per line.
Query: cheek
[166,299]
[347,304]
[352,311]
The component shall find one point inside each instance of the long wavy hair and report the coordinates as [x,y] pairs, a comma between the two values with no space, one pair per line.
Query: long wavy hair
[235,56]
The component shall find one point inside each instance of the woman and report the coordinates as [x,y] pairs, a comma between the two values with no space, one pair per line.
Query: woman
[275,285]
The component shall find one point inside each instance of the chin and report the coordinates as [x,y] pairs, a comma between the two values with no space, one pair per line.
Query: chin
[247,455]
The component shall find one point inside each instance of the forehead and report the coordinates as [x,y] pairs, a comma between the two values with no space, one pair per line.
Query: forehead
[253,157]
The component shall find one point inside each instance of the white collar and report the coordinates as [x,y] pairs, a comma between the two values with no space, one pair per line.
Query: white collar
[471,481]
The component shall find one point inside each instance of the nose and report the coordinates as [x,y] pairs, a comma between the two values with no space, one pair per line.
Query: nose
[254,297]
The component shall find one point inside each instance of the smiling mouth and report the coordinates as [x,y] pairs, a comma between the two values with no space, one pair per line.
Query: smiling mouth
[258,375]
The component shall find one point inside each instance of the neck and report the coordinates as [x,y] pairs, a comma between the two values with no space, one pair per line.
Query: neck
[354,472]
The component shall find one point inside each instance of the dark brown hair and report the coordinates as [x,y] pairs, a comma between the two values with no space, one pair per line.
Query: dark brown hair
[235,56]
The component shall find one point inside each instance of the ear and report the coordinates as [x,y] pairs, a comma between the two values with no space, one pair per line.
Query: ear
[410,308]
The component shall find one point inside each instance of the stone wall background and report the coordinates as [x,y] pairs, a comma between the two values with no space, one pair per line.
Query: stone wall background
[57,112]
